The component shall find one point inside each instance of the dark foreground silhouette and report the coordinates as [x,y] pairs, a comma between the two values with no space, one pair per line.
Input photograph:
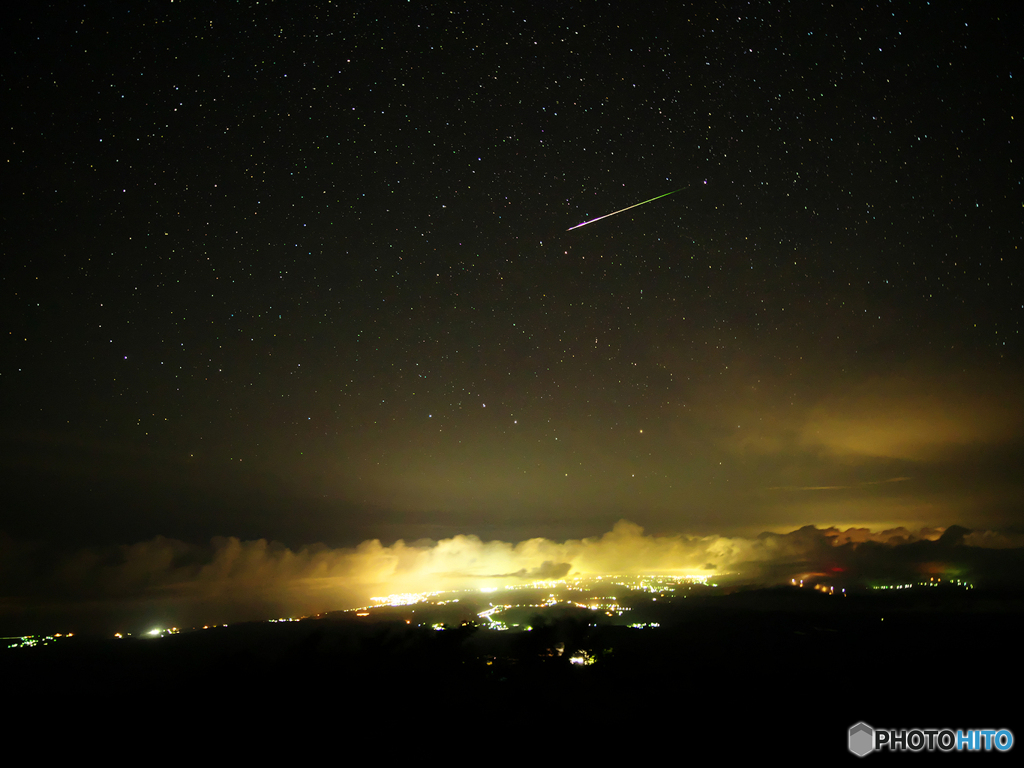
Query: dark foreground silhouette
[728,674]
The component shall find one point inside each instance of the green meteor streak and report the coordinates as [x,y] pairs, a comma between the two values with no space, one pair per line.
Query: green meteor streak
[645,202]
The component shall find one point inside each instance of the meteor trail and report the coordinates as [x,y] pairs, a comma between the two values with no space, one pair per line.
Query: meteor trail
[624,209]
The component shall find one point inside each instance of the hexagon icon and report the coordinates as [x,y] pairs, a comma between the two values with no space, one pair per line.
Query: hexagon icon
[862,739]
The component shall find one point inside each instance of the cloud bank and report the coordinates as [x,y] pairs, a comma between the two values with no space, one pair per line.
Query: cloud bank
[230,580]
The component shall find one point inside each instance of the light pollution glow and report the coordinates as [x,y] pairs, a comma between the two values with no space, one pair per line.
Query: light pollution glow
[253,579]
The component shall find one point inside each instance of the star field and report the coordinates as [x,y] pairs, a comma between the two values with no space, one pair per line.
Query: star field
[303,272]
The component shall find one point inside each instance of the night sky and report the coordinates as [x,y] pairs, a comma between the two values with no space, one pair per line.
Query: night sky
[302,272]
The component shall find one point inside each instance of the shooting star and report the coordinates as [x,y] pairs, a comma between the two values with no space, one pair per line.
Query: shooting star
[583,224]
